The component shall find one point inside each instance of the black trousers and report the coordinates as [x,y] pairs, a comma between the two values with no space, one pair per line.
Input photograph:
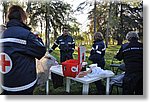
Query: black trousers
[133,83]
[24,92]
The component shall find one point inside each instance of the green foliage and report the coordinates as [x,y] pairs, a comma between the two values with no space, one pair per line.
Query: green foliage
[117,17]
[55,11]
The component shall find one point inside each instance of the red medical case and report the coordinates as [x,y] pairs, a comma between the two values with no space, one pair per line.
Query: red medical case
[72,67]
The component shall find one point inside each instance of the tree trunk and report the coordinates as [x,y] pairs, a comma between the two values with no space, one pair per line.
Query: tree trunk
[46,30]
[95,16]
[107,31]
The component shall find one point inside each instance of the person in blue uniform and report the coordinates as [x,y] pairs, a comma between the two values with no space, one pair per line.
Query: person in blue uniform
[97,56]
[20,47]
[66,44]
[132,55]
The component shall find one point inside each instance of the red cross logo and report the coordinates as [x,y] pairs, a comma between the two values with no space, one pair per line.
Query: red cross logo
[5,63]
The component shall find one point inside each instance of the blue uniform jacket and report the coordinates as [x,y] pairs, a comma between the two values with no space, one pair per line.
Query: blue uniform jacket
[132,55]
[22,47]
[65,43]
[97,53]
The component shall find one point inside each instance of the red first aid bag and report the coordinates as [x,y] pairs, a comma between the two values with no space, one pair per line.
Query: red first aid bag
[72,67]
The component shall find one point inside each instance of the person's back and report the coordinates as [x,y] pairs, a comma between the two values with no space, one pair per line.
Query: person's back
[132,55]
[19,50]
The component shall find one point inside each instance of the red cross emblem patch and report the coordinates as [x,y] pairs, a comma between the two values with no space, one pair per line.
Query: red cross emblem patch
[5,63]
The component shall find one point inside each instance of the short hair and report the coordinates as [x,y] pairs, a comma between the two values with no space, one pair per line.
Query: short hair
[16,12]
[65,27]
[98,36]
[132,35]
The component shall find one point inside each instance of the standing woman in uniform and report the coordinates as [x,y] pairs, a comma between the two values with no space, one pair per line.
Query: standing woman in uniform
[97,56]
[20,47]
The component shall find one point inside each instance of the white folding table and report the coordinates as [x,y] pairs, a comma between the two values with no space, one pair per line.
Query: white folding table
[84,80]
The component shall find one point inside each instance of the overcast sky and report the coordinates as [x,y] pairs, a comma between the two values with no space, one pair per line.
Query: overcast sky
[81,17]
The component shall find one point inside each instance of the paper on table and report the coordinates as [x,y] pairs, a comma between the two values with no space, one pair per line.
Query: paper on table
[98,72]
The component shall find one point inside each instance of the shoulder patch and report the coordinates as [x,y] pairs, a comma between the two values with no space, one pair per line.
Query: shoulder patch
[5,63]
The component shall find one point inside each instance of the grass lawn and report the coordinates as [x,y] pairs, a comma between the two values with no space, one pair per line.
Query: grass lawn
[76,87]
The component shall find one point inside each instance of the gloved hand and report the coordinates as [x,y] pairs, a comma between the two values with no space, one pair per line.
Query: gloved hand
[50,50]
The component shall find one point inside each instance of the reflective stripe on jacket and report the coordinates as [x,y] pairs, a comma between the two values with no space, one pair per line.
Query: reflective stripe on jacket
[22,47]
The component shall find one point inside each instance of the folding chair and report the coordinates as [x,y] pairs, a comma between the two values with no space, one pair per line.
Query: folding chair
[118,68]
[117,80]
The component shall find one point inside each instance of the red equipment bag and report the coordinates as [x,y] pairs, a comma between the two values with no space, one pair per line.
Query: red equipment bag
[72,67]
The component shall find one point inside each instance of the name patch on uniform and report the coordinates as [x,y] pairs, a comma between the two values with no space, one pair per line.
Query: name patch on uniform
[5,63]
[132,48]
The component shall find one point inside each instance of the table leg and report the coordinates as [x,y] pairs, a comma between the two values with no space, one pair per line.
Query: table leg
[107,86]
[47,87]
[85,89]
[67,85]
